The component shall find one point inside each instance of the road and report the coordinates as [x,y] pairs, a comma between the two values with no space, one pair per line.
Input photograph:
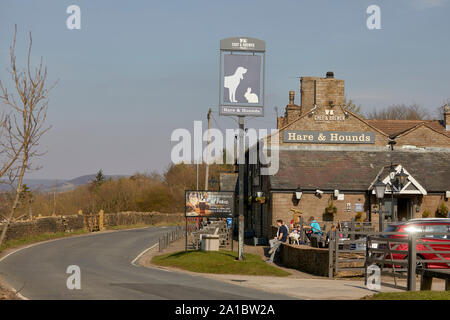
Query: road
[107,273]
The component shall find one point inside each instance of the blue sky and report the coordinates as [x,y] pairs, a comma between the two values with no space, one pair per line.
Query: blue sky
[137,70]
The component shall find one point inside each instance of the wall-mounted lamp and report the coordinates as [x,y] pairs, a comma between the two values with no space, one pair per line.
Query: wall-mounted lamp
[319,193]
[296,196]
[298,193]
[336,194]
[391,143]
[259,194]
[447,194]
[401,177]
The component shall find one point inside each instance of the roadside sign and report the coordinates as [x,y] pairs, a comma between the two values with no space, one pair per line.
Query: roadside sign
[209,203]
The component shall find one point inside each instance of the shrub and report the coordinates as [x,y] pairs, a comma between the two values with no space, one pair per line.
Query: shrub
[358,216]
[331,208]
[426,213]
[442,211]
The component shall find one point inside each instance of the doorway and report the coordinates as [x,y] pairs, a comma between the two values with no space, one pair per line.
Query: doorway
[404,209]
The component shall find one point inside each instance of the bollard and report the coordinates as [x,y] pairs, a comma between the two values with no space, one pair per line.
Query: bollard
[101,220]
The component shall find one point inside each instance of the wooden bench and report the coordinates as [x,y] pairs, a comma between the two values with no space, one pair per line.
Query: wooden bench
[427,275]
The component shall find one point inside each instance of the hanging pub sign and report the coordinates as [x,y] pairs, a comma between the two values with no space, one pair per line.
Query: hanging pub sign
[209,203]
[242,72]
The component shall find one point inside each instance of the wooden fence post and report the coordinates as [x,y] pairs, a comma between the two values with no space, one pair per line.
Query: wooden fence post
[336,252]
[100,220]
[331,259]
[366,264]
[412,262]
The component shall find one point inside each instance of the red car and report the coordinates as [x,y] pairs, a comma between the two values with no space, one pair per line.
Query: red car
[424,225]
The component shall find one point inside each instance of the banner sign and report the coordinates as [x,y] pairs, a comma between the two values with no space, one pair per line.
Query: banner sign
[328,137]
[209,203]
[241,88]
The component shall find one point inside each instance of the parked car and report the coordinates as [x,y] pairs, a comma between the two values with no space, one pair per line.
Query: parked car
[435,225]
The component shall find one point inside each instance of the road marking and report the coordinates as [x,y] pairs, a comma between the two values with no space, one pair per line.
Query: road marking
[63,238]
[141,254]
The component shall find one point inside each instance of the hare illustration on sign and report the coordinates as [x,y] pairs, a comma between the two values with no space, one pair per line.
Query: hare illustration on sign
[232,83]
[251,97]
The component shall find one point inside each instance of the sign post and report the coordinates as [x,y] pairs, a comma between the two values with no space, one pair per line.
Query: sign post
[241,93]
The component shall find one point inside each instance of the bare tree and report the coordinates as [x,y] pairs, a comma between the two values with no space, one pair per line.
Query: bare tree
[400,112]
[9,148]
[353,107]
[26,121]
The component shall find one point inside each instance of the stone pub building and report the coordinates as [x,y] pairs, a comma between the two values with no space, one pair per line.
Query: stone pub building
[332,157]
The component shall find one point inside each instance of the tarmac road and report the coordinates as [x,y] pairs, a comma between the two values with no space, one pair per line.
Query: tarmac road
[39,271]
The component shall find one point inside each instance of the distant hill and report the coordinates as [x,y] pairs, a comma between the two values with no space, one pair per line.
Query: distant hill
[49,185]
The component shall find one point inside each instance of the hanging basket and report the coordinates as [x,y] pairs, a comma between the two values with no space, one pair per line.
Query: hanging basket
[260,199]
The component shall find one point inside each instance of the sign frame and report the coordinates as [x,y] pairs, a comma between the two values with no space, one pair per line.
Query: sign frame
[216,215]
[242,46]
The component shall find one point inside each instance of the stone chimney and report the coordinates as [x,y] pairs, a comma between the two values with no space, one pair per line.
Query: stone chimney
[293,111]
[321,91]
[447,117]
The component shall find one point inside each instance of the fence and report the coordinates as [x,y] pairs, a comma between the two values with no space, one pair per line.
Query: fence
[403,255]
[346,254]
[194,230]
[170,237]
[218,228]
[347,247]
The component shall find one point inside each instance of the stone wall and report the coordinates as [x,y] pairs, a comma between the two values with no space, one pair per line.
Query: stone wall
[310,205]
[305,258]
[129,218]
[24,229]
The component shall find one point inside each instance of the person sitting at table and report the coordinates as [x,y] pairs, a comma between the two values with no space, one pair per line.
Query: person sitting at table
[313,228]
[276,242]
[330,234]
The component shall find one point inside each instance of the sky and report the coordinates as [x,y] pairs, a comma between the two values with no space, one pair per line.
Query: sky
[137,70]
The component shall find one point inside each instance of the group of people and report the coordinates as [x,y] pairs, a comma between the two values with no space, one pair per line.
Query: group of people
[313,229]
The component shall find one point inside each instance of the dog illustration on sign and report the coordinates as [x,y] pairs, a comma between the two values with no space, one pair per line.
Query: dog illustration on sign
[251,97]
[232,82]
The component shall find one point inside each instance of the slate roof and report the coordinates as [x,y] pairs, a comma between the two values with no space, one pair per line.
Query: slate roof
[356,170]
[227,181]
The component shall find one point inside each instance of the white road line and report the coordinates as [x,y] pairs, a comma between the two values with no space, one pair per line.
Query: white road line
[141,254]
[62,238]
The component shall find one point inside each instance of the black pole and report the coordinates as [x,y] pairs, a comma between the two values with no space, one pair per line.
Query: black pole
[381,215]
[186,235]
[392,202]
[241,163]
[232,235]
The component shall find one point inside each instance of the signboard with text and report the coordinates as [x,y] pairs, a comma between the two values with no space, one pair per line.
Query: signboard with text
[209,203]
[328,137]
[241,88]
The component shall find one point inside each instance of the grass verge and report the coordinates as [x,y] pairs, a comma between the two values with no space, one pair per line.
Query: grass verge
[411,295]
[219,262]
[38,238]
